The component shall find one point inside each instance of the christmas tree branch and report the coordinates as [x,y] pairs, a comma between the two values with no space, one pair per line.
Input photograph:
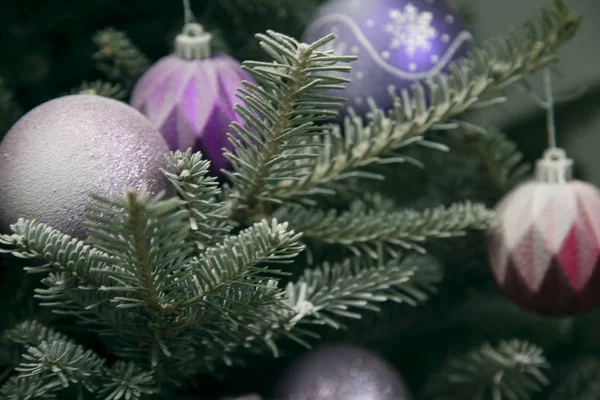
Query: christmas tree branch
[237,258]
[33,333]
[502,160]
[472,83]
[61,363]
[100,88]
[200,191]
[118,57]
[78,272]
[366,231]
[68,295]
[325,295]
[52,362]
[510,371]
[31,239]
[281,115]
[126,381]
[483,164]
[147,241]
[21,388]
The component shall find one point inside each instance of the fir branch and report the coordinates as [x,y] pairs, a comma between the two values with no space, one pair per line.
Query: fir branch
[10,111]
[326,294]
[33,333]
[281,115]
[100,88]
[510,371]
[200,191]
[17,339]
[239,257]
[118,57]
[483,164]
[472,83]
[365,231]
[78,273]
[64,362]
[68,295]
[147,240]
[501,158]
[61,252]
[581,383]
[53,362]
[126,381]
[225,292]
[20,388]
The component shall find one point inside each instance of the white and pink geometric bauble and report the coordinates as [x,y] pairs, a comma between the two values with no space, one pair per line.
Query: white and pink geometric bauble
[544,249]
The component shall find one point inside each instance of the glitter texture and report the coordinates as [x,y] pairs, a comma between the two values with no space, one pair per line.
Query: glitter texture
[191,102]
[399,43]
[62,150]
[341,372]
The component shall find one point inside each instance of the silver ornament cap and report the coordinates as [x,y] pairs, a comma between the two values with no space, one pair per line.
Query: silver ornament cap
[554,167]
[193,43]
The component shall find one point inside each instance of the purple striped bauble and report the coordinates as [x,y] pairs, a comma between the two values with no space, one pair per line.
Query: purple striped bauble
[190,96]
[398,43]
[544,249]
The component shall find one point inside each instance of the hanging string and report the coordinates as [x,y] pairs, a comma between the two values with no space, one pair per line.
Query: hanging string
[187,13]
[549,106]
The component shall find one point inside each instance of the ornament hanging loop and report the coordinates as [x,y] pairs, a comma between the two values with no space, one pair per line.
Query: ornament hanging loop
[550,119]
[554,167]
[193,43]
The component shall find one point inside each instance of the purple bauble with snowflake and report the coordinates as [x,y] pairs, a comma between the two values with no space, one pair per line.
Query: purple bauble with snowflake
[398,43]
[190,96]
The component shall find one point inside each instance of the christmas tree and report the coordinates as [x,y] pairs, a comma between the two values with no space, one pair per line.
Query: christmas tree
[370,230]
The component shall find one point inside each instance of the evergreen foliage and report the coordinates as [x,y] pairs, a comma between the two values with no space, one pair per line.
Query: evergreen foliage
[100,88]
[511,370]
[177,287]
[118,57]
[368,231]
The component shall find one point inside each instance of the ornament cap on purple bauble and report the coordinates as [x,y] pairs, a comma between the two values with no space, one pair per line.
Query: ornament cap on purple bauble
[544,248]
[60,152]
[398,42]
[190,96]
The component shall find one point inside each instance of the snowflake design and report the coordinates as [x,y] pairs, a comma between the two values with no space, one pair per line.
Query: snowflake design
[411,29]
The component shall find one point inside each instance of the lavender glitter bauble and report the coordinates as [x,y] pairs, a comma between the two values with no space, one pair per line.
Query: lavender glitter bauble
[191,102]
[65,149]
[341,372]
[398,42]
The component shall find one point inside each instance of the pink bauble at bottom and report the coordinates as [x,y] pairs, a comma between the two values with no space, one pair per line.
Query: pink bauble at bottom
[544,248]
